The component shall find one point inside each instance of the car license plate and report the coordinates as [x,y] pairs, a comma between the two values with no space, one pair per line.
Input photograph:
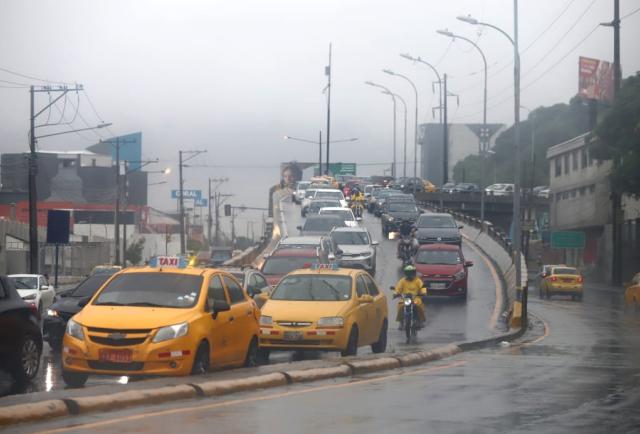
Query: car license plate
[567,279]
[437,286]
[116,356]
[292,336]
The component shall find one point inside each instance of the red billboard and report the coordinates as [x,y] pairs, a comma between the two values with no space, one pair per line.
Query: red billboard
[595,80]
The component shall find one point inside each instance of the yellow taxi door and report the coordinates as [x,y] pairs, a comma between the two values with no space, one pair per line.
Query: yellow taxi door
[241,320]
[366,313]
[379,304]
[220,327]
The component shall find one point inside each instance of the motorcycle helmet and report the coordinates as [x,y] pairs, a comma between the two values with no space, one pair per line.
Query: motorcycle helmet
[410,272]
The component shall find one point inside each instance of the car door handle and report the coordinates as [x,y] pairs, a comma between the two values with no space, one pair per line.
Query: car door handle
[249,312]
[231,318]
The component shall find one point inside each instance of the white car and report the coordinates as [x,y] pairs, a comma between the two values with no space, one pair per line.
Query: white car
[34,289]
[499,190]
[308,197]
[344,213]
[330,193]
[301,187]
[355,248]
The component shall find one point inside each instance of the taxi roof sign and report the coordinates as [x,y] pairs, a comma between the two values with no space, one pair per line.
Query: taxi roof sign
[168,262]
[332,266]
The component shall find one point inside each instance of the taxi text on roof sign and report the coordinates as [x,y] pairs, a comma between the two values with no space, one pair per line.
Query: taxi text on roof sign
[332,266]
[168,262]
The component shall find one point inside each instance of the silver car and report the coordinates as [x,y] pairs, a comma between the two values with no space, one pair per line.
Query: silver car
[355,248]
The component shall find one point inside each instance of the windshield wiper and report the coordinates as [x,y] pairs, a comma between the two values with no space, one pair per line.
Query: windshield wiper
[146,304]
[109,303]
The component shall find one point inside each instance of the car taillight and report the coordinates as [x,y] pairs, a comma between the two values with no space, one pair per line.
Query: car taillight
[580,279]
[554,278]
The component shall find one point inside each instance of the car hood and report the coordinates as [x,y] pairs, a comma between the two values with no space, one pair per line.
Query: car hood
[403,215]
[111,317]
[439,269]
[68,305]
[353,250]
[281,310]
[26,292]
[438,232]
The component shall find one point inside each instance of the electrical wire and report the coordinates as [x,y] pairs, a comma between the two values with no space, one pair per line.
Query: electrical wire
[15,83]
[630,13]
[31,77]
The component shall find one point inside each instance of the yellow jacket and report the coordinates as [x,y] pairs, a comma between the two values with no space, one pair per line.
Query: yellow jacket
[415,287]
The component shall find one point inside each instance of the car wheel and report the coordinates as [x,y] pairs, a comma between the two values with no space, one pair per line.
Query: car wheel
[263,355]
[381,345]
[352,344]
[74,379]
[201,361]
[27,362]
[251,358]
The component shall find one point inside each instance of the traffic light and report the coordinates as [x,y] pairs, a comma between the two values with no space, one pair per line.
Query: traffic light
[227,210]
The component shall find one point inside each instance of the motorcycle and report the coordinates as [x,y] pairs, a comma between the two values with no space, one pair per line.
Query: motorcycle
[406,250]
[409,316]
[358,210]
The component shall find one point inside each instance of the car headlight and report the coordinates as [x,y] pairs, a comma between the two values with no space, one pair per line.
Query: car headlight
[52,312]
[331,321]
[75,330]
[29,297]
[366,254]
[459,275]
[391,219]
[171,332]
[266,320]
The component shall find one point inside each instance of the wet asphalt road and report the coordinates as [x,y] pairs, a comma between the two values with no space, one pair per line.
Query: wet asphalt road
[576,370]
[447,320]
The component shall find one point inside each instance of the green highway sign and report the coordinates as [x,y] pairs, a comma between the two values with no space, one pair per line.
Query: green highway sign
[342,168]
[567,239]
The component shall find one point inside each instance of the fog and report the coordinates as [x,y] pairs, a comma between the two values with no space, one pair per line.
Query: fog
[235,77]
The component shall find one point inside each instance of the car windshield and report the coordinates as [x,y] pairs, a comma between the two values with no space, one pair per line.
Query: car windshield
[350,238]
[284,265]
[344,214]
[321,224]
[315,206]
[402,207]
[436,221]
[157,289]
[24,282]
[571,271]
[90,285]
[308,194]
[313,287]
[330,195]
[221,255]
[443,257]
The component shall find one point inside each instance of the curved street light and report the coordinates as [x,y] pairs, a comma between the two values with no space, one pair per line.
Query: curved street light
[404,104]
[393,98]
[415,150]
[484,134]
[517,230]
[433,68]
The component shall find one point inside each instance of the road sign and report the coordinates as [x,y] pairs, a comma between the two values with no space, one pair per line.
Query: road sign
[197,194]
[342,168]
[567,239]
[201,202]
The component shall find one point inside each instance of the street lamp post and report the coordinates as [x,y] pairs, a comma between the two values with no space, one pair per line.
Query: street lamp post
[404,158]
[484,134]
[415,149]
[393,98]
[516,91]
[433,68]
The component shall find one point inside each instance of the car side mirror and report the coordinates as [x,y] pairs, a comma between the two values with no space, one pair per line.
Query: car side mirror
[468,264]
[331,257]
[44,287]
[339,253]
[299,228]
[366,299]
[219,306]
[460,227]
[393,288]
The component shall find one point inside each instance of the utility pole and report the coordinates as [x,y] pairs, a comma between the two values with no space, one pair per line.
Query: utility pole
[126,204]
[209,219]
[116,210]
[214,199]
[616,198]
[445,125]
[320,153]
[327,72]
[181,161]
[517,231]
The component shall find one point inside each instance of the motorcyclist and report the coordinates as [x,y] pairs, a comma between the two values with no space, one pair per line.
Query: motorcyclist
[408,231]
[411,284]
[357,200]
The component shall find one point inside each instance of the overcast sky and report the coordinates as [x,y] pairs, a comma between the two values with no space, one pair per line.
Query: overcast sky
[233,77]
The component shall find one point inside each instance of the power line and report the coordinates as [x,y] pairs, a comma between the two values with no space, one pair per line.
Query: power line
[630,13]
[31,77]
[14,82]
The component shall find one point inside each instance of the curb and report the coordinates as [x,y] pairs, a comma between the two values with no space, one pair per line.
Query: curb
[50,409]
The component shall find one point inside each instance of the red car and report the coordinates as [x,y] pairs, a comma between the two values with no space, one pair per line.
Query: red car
[443,269]
[283,261]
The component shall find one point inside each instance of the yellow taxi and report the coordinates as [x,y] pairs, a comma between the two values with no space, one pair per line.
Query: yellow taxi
[561,280]
[164,319]
[428,186]
[324,308]
[632,292]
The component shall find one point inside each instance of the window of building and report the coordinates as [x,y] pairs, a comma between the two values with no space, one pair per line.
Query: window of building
[584,153]
[566,164]
[574,193]
[583,191]
[558,197]
[575,156]
[592,188]
[558,162]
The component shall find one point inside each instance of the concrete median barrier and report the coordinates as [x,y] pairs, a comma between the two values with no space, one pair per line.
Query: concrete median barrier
[316,374]
[366,366]
[38,411]
[213,388]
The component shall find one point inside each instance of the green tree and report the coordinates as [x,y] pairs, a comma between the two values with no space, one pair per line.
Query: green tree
[547,126]
[134,252]
[617,138]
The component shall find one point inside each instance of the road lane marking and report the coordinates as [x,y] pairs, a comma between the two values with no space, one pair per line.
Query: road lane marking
[252,399]
[493,321]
